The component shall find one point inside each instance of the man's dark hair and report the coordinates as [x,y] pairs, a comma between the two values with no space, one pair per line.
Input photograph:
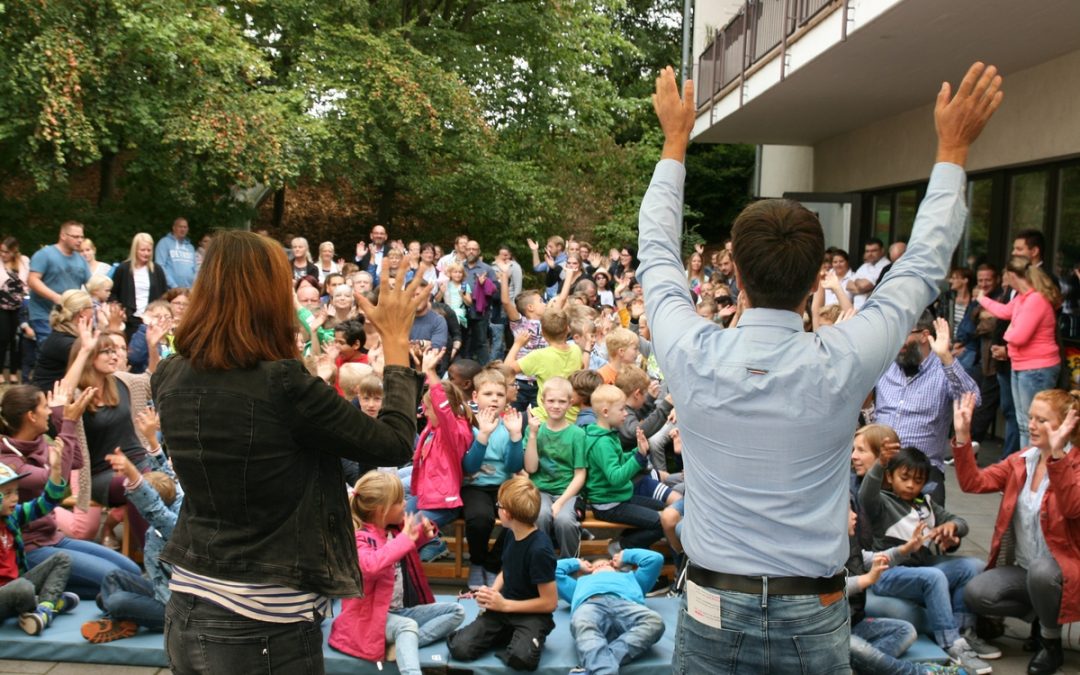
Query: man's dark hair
[353,332]
[842,253]
[925,321]
[875,241]
[986,266]
[1034,239]
[912,459]
[778,246]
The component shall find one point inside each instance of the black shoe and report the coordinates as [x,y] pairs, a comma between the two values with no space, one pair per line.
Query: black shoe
[1048,659]
[1031,644]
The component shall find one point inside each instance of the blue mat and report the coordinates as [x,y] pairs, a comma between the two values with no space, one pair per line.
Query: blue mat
[63,642]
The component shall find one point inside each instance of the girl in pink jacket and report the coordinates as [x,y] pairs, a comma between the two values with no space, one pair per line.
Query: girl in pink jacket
[396,592]
[437,472]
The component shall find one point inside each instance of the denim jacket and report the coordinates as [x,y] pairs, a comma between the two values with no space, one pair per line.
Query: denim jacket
[257,452]
[162,519]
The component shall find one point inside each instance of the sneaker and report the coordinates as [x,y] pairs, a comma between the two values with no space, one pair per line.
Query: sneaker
[67,602]
[476,577]
[107,630]
[938,669]
[34,622]
[434,550]
[949,461]
[987,651]
[963,655]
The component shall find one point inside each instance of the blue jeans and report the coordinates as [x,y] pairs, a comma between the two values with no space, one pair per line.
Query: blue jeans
[1025,384]
[643,517]
[130,597]
[41,329]
[410,628]
[1008,411]
[785,634]
[610,631]
[201,638]
[876,645]
[938,587]
[498,347]
[90,563]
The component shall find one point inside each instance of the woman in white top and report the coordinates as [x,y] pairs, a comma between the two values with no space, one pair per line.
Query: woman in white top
[89,251]
[326,264]
[138,281]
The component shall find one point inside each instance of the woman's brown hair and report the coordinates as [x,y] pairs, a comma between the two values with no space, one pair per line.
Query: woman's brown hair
[243,299]
[108,394]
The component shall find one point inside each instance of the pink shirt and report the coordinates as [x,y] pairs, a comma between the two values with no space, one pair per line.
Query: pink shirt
[1032,335]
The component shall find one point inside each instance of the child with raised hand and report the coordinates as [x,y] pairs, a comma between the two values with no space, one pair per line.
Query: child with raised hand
[437,471]
[609,620]
[496,454]
[519,602]
[396,592]
[555,460]
[36,593]
[936,581]
[130,600]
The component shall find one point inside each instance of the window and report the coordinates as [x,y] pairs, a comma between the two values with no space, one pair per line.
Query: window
[1027,201]
[907,204]
[975,244]
[1068,252]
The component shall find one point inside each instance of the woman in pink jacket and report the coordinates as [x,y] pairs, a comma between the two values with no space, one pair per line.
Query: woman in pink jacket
[1031,336]
[396,592]
[1034,567]
[437,472]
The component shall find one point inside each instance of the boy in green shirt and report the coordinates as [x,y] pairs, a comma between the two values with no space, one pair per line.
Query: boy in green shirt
[610,473]
[555,458]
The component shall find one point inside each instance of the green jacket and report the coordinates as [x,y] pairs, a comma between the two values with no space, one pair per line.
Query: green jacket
[610,470]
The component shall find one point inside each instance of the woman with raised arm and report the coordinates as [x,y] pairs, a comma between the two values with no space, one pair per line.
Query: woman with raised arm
[264,539]
[1034,567]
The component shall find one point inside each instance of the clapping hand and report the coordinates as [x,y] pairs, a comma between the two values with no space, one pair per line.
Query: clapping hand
[122,465]
[512,420]
[489,598]
[74,408]
[879,565]
[431,359]
[916,541]
[642,441]
[361,249]
[945,535]
[532,245]
[534,422]
[486,422]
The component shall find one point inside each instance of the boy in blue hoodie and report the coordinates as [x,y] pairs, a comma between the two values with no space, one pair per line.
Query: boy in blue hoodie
[129,600]
[36,593]
[609,620]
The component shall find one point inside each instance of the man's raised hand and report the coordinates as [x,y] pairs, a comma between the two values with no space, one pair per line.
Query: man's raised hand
[960,119]
[676,113]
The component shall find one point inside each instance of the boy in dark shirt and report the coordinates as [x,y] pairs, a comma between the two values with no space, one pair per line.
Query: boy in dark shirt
[518,606]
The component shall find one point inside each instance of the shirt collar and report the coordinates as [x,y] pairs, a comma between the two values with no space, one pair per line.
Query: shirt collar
[773,318]
[1031,455]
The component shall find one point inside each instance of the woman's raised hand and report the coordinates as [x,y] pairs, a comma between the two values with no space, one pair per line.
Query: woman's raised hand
[393,316]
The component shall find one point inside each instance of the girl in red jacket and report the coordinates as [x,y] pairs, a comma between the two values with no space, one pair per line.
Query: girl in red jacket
[396,592]
[1034,566]
[437,473]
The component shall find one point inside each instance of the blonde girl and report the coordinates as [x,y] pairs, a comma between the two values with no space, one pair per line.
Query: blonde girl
[396,592]
[455,292]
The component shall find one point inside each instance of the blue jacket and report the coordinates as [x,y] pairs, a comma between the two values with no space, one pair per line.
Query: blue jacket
[162,519]
[631,587]
[177,259]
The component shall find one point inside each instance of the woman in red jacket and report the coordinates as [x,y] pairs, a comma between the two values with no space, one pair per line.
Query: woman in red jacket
[1031,336]
[1034,565]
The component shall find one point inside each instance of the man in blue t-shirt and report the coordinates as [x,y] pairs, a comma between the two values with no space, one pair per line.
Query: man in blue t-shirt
[53,270]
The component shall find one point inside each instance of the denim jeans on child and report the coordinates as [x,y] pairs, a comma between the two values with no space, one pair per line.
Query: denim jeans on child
[876,645]
[610,631]
[1025,384]
[760,633]
[130,597]
[642,515]
[940,588]
[411,628]
[90,563]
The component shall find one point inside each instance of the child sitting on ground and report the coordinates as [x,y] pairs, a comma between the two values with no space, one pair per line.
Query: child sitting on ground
[496,454]
[130,600]
[555,458]
[437,472]
[608,618]
[936,581]
[610,473]
[35,594]
[518,605]
[396,592]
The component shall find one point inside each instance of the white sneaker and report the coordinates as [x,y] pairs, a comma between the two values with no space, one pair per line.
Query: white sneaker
[963,655]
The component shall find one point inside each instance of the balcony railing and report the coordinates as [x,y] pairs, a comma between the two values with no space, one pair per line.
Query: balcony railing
[756,30]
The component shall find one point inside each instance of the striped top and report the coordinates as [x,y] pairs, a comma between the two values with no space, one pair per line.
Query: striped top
[261,602]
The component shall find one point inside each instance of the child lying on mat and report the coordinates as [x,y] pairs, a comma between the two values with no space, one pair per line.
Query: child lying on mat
[609,620]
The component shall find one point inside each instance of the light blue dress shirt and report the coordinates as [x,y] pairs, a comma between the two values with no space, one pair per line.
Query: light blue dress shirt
[767,411]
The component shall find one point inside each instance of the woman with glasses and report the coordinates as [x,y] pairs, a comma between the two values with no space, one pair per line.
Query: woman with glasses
[1032,334]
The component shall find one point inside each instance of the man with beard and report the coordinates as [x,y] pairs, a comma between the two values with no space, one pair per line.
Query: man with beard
[915,395]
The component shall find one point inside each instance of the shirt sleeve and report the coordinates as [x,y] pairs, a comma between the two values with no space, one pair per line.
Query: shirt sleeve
[542,563]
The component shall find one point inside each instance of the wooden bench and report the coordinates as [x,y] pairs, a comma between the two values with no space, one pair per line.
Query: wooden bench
[454,537]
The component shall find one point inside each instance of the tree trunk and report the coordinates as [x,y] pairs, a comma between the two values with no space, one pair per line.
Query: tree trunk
[107,179]
[279,208]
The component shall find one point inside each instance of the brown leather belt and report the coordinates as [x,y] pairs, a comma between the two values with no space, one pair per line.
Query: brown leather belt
[774,585]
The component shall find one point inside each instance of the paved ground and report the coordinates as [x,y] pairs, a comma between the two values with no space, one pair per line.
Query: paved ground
[979,510]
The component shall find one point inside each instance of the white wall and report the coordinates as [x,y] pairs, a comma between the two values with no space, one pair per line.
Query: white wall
[1038,121]
[785,168]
